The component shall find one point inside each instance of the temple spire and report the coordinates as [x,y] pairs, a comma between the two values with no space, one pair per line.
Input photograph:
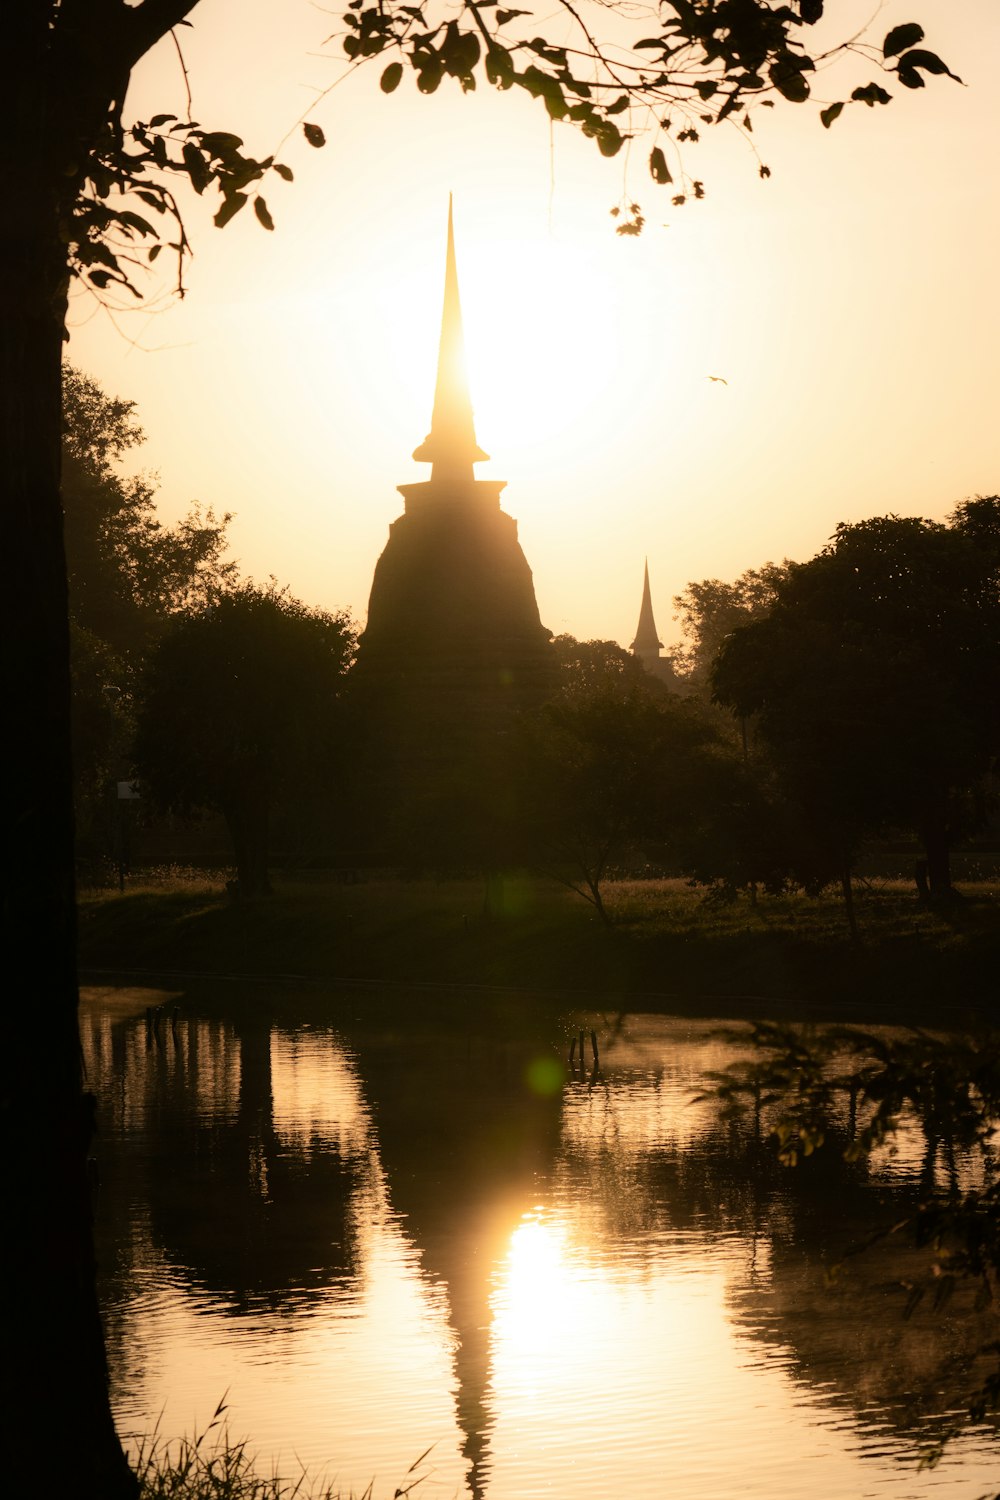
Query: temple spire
[451,443]
[647,643]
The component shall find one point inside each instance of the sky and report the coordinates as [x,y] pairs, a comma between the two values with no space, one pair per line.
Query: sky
[850,306]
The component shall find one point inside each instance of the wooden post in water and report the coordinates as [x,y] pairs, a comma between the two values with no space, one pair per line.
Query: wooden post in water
[593,1048]
[572,1053]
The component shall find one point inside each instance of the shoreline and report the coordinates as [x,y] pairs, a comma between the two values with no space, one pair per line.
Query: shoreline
[669,951]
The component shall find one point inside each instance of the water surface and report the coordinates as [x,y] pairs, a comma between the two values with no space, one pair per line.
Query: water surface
[375,1239]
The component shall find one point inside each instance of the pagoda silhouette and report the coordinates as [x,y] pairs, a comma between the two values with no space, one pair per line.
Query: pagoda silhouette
[454,647]
[453,584]
[647,645]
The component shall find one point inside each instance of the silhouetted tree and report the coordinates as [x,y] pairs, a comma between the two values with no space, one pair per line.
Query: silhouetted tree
[127,570]
[606,767]
[592,664]
[742,833]
[240,701]
[874,681]
[128,574]
[711,610]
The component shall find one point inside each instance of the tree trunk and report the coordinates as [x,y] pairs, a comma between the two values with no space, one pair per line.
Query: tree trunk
[54,1363]
[847,888]
[248,818]
[597,899]
[937,850]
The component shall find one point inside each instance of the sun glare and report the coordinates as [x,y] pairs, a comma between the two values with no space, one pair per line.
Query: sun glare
[540,1296]
[536,1274]
[535,348]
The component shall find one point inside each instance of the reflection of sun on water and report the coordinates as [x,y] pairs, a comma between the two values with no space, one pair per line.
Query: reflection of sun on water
[542,1297]
[537,1285]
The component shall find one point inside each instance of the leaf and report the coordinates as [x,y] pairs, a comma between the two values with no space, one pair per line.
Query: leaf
[609,139]
[135,221]
[263,213]
[831,112]
[540,85]
[221,143]
[194,164]
[901,37]
[788,80]
[555,103]
[314,135]
[285,173]
[910,78]
[499,66]
[151,200]
[429,76]
[229,209]
[391,78]
[159,120]
[928,61]
[503,16]
[871,94]
[659,171]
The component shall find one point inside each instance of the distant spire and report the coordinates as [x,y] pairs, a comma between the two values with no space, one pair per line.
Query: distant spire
[451,443]
[646,643]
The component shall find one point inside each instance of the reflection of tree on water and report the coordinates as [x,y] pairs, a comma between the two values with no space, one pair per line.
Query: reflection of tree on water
[847,1325]
[257,1219]
[843,1334]
[463,1141]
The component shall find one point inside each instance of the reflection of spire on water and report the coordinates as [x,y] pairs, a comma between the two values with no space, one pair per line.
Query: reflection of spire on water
[468,1290]
[461,1166]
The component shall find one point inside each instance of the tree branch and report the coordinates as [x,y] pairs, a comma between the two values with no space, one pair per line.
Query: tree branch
[146,24]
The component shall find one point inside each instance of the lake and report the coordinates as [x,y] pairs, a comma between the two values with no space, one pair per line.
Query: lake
[378,1236]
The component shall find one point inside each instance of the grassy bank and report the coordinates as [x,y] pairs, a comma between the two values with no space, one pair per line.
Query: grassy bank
[667,947]
[214,1466]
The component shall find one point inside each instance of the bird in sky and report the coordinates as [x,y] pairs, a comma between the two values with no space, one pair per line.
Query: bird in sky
[720,378]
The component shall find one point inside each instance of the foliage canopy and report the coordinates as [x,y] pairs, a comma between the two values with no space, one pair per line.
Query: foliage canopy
[874,678]
[614,72]
[127,570]
[239,700]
